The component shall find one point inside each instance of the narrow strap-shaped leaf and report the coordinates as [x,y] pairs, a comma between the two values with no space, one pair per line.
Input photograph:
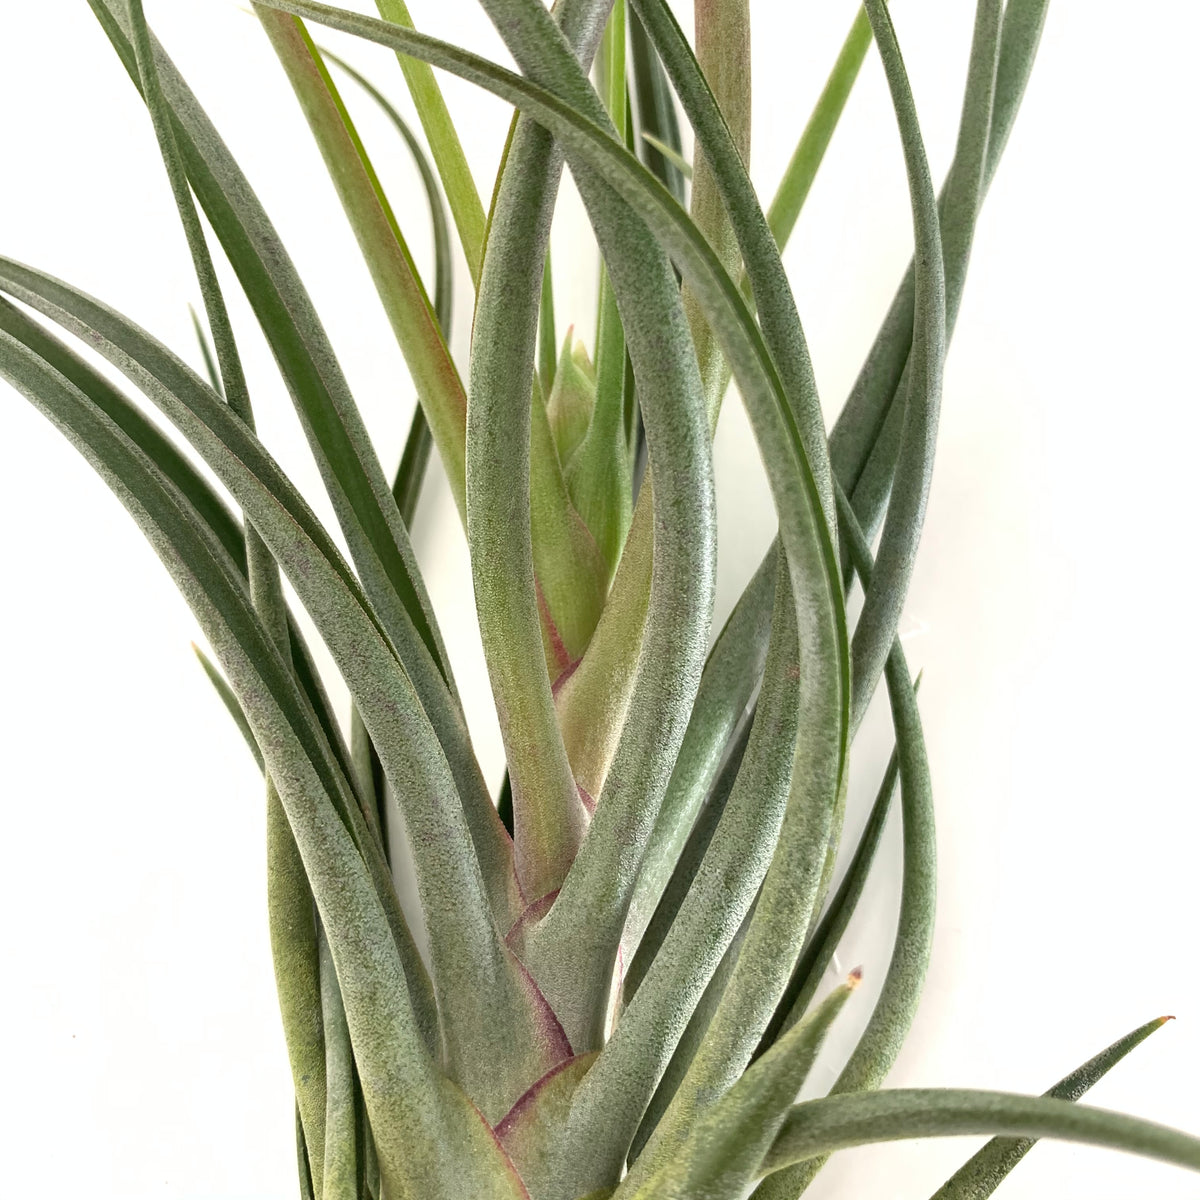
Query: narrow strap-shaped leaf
[571,573]
[406,486]
[604,677]
[206,352]
[819,952]
[315,712]
[303,1166]
[210,508]
[443,264]
[548,814]
[983,1173]
[688,865]
[417,1111]
[876,395]
[229,446]
[598,473]
[896,1006]
[1018,45]
[723,65]
[229,363]
[690,1043]
[341,1165]
[455,900]
[353,477]
[657,118]
[230,701]
[547,338]
[721,1156]
[144,433]
[445,147]
[802,168]
[573,951]
[820,1127]
[675,157]
[295,958]
[732,672]
[880,617]
[289,898]
[696,920]
[383,246]
[811,557]
[743,219]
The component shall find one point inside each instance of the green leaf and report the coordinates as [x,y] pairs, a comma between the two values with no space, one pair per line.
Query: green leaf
[529,1128]
[896,1006]
[400,290]
[727,189]
[493,1056]
[304,1168]
[983,1173]
[690,1043]
[572,952]
[230,701]
[865,437]
[443,264]
[242,463]
[211,509]
[729,854]
[210,363]
[340,1179]
[722,63]
[676,159]
[416,1112]
[661,149]
[570,570]
[811,558]
[604,676]
[810,150]
[549,817]
[406,487]
[295,958]
[819,952]
[598,472]
[880,617]
[722,1154]
[547,339]
[820,1127]
[360,495]
[734,667]
[444,145]
[570,403]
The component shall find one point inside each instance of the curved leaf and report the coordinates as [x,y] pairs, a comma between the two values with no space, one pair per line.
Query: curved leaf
[880,617]
[983,1173]
[444,145]
[721,1156]
[360,495]
[820,1127]
[730,851]
[573,951]
[865,436]
[731,673]
[415,1111]
[548,815]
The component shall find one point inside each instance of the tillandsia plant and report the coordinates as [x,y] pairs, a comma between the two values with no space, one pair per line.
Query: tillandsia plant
[618,990]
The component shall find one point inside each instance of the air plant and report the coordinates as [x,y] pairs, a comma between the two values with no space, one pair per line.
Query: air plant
[619,994]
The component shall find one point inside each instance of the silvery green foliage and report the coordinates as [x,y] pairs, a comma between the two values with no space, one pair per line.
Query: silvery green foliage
[623,953]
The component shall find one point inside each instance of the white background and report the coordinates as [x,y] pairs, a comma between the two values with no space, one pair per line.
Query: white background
[1052,610]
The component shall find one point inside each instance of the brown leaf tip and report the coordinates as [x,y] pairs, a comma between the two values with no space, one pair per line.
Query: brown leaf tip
[855,977]
[1164,1020]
